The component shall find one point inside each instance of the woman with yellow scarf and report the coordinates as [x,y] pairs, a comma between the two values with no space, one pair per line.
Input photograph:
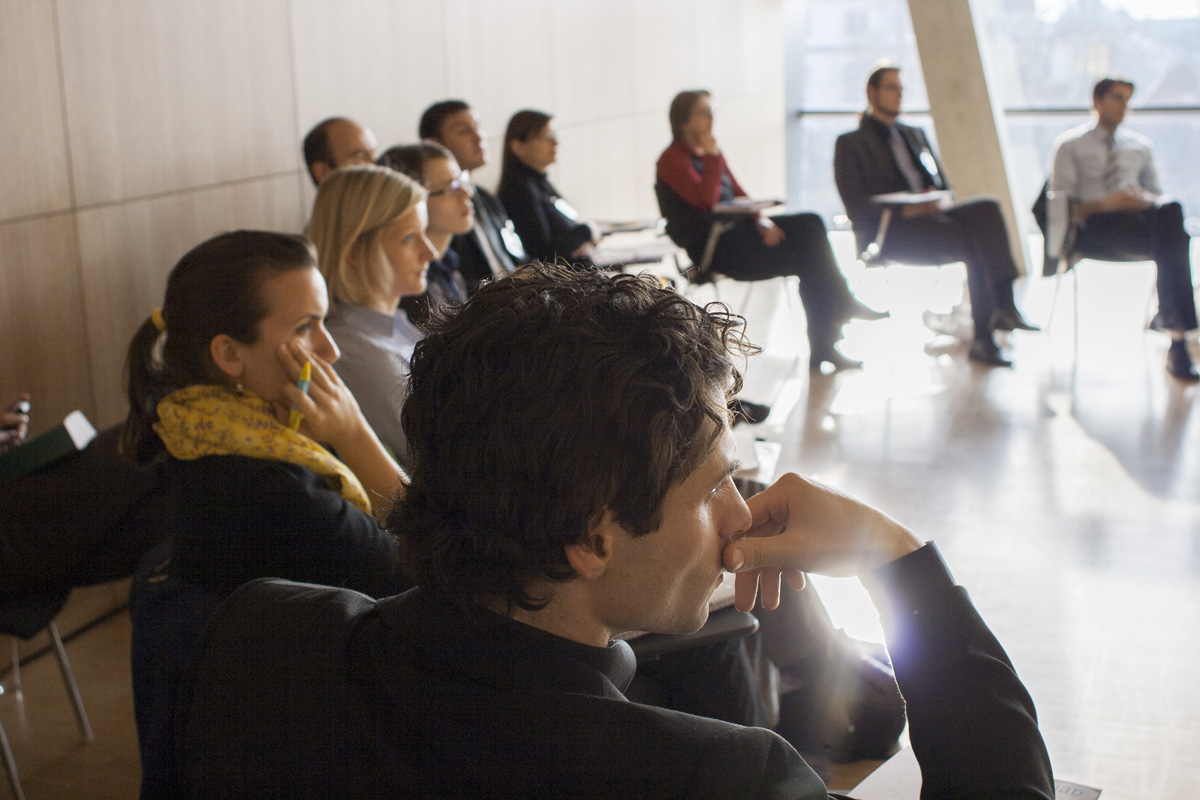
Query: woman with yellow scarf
[212,386]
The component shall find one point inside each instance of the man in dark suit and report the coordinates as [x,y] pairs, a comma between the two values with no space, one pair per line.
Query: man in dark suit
[884,156]
[492,249]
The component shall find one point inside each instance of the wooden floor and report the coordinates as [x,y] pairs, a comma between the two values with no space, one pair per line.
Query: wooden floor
[1065,494]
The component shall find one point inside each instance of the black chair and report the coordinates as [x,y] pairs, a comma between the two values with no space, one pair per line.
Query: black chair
[693,229]
[22,617]
[267,708]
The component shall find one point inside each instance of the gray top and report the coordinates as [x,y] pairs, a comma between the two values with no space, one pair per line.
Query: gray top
[376,349]
[1088,165]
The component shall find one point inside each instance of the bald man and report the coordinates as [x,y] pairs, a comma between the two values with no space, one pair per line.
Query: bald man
[337,142]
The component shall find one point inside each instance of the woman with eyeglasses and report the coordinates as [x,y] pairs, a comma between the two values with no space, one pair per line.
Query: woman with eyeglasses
[369,226]
[451,213]
[693,178]
[548,225]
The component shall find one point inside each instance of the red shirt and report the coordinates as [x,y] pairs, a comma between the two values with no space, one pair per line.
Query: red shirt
[701,189]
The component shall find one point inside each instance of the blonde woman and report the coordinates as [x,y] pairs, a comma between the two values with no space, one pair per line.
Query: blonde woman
[369,226]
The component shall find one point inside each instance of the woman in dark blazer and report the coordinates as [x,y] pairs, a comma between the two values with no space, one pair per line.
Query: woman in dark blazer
[548,225]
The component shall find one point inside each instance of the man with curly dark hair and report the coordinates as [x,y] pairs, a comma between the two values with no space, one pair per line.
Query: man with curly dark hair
[572,480]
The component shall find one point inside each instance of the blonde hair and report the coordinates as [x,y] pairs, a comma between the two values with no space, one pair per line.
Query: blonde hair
[353,207]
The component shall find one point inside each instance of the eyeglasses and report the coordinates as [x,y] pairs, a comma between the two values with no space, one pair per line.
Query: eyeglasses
[463,181]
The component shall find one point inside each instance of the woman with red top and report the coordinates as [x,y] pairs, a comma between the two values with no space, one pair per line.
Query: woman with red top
[693,178]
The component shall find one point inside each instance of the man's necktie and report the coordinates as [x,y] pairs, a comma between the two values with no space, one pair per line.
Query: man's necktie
[904,160]
[1111,173]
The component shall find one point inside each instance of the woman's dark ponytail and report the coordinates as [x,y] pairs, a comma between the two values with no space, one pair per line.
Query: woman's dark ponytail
[213,290]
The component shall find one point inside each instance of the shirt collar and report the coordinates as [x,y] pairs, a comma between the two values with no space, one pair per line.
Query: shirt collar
[368,319]
[504,653]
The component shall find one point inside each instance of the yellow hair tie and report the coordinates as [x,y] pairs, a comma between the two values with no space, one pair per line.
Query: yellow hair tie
[157,318]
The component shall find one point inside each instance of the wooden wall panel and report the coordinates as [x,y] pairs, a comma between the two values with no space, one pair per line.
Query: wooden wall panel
[597,170]
[169,96]
[41,319]
[129,249]
[652,135]
[499,58]
[739,46]
[664,52]
[31,125]
[751,132]
[592,50]
[381,62]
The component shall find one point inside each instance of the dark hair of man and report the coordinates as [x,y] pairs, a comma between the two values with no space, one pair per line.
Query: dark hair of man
[522,127]
[875,80]
[316,145]
[1106,84]
[549,397]
[681,110]
[430,126]
[213,290]
[410,159]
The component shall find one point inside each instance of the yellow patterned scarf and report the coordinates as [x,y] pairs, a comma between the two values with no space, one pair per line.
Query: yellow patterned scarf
[206,420]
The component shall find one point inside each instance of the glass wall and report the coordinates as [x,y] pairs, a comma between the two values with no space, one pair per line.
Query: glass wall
[1043,57]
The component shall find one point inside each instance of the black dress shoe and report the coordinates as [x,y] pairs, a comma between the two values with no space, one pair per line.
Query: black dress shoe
[985,351]
[745,411]
[832,356]
[1179,362]
[1009,319]
[860,310]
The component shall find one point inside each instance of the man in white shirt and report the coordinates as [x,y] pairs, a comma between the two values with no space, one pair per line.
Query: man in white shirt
[1120,213]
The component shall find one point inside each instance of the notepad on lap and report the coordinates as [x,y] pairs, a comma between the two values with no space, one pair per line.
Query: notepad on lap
[70,436]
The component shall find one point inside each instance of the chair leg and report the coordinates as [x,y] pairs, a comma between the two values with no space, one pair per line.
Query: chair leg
[16,662]
[1075,297]
[60,653]
[749,292]
[1053,301]
[10,766]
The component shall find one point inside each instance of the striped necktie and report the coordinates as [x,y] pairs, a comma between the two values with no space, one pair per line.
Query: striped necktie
[1111,173]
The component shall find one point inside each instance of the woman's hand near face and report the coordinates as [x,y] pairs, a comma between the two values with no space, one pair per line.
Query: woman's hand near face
[705,144]
[331,415]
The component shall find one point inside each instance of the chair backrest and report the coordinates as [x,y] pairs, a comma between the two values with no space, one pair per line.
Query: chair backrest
[687,225]
[267,706]
[26,615]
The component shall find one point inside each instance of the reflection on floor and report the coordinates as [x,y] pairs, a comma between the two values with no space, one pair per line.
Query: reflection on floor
[1065,493]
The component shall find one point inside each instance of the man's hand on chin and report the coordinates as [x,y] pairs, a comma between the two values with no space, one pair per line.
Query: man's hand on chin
[801,526]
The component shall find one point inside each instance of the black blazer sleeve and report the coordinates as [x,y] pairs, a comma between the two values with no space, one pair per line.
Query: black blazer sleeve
[972,723]
[851,167]
[546,232]
[250,518]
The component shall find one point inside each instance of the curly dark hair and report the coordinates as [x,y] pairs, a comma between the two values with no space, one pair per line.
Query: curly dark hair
[549,397]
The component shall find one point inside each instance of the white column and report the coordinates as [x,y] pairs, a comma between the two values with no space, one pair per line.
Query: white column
[971,135]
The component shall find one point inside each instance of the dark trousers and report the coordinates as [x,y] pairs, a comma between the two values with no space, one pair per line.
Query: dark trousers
[805,252]
[1155,234]
[973,232]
